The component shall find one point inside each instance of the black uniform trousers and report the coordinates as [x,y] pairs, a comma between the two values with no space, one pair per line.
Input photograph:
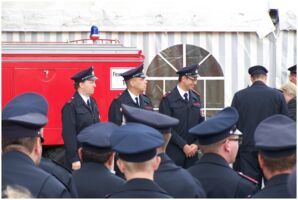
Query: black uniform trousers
[76,115]
[276,187]
[140,188]
[254,104]
[219,180]
[94,180]
[19,169]
[177,181]
[189,115]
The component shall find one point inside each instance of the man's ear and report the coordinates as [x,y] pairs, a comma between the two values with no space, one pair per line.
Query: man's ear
[80,152]
[156,162]
[227,145]
[121,165]
[261,162]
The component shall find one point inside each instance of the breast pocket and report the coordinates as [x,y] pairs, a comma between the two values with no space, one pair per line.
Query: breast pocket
[178,109]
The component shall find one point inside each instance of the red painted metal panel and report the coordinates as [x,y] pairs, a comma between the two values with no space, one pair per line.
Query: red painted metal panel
[49,75]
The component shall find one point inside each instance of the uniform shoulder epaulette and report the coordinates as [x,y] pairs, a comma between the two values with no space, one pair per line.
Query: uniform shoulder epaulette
[70,100]
[117,97]
[248,178]
[167,94]
[196,92]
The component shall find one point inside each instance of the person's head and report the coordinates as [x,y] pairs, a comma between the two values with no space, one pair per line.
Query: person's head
[275,139]
[135,80]
[292,75]
[159,121]
[188,77]
[289,91]
[84,81]
[95,142]
[219,135]
[258,73]
[136,145]
[22,121]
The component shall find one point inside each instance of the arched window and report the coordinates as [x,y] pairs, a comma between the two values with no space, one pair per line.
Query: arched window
[162,77]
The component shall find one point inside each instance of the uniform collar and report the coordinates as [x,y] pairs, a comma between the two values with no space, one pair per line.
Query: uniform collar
[279,179]
[182,92]
[215,159]
[142,184]
[132,95]
[85,98]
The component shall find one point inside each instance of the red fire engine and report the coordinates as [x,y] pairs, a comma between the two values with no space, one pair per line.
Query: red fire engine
[46,68]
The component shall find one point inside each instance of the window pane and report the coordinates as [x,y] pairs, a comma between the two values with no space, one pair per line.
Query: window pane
[154,91]
[200,89]
[194,54]
[174,55]
[210,67]
[214,93]
[159,68]
[211,113]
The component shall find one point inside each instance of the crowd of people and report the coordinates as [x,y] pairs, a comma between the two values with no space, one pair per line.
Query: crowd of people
[141,153]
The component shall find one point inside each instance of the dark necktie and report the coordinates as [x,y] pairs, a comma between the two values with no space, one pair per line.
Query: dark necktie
[137,101]
[89,104]
[186,96]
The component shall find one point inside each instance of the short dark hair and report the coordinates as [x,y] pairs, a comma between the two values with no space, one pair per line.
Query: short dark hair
[27,142]
[180,79]
[279,163]
[91,156]
[76,85]
[257,76]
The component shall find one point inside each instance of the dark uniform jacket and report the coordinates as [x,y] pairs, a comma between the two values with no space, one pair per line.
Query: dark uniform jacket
[255,104]
[189,115]
[62,174]
[178,182]
[115,114]
[292,109]
[276,187]
[76,115]
[19,169]
[140,188]
[219,180]
[94,180]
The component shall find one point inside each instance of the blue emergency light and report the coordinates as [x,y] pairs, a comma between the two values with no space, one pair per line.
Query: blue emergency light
[94,34]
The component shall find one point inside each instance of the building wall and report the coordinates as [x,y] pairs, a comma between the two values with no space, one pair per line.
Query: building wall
[235,51]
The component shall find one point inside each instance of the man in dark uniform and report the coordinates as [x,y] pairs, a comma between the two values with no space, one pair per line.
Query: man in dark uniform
[95,179]
[136,145]
[184,104]
[292,75]
[254,104]
[275,138]
[177,181]
[22,122]
[79,112]
[219,142]
[132,96]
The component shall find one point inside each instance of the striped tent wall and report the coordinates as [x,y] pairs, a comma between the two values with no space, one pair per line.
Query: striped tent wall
[235,51]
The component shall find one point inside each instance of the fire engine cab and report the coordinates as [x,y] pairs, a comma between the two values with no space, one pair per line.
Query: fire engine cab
[46,68]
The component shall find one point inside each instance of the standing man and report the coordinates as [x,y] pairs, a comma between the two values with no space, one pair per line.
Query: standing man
[136,145]
[95,179]
[177,181]
[22,121]
[275,139]
[219,142]
[254,104]
[79,112]
[132,96]
[184,104]
[292,75]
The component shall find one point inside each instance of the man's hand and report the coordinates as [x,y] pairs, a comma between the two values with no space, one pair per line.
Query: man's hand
[76,165]
[187,150]
[194,149]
